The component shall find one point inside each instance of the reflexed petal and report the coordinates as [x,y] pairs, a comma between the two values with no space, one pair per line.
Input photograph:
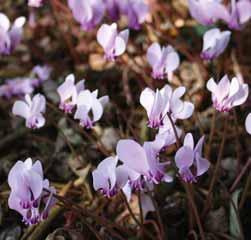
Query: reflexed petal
[124,35]
[188,141]
[4,22]
[132,155]
[211,85]
[154,54]
[223,88]
[104,100]
[80,86]
[37,167]
[187,111]
[184,157]
[241,96]
[120,46]
[81,112]
[35,183]
[14,203]
[106,35]
[202,164]
[158,106]
[65,90]
[38,104]
[122,174]
[209,38]
[199,145]
[105,174]
[179,92]
[97,109]
[21,109]
[172,62]
[147,99]
[85,98]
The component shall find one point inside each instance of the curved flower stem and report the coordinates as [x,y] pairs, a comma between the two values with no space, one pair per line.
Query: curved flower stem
[240,175]
[178,144]
[188,188]
[130,210]
[141,225]
[217,167]
[212,131]
[245,191]
[161,225]
[140,208]
[194,208]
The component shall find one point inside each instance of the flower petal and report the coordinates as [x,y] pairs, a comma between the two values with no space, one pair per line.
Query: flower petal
[132,155]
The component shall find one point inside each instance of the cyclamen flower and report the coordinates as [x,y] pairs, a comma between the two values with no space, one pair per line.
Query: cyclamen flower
[163,61]
[208,12]
[68,92]
[43,72]
[189,159]
[226,94]
[10,37]
[114,43]
[214,43]
[248,123]
[165,101]
[88,13]
[87,101]
[35,3]
[17,87]
[142,163]
[27,195]
[108,178]
[31,110]
[136,12]
[240,13]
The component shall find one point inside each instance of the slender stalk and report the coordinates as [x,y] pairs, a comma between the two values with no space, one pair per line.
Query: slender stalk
[237,140]
[130,210]
[215,175]
[195,210]
[141,225]
[239,177]
[178,144]
[161,225]
[245,191]
[212,131]
[140,208]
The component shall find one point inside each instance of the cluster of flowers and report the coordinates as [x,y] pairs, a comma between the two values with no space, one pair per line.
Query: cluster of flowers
[89,108]
[140,166]
[31,194]
[163,60]
[25,85]
[89,13]
[135,167]
[208,12]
